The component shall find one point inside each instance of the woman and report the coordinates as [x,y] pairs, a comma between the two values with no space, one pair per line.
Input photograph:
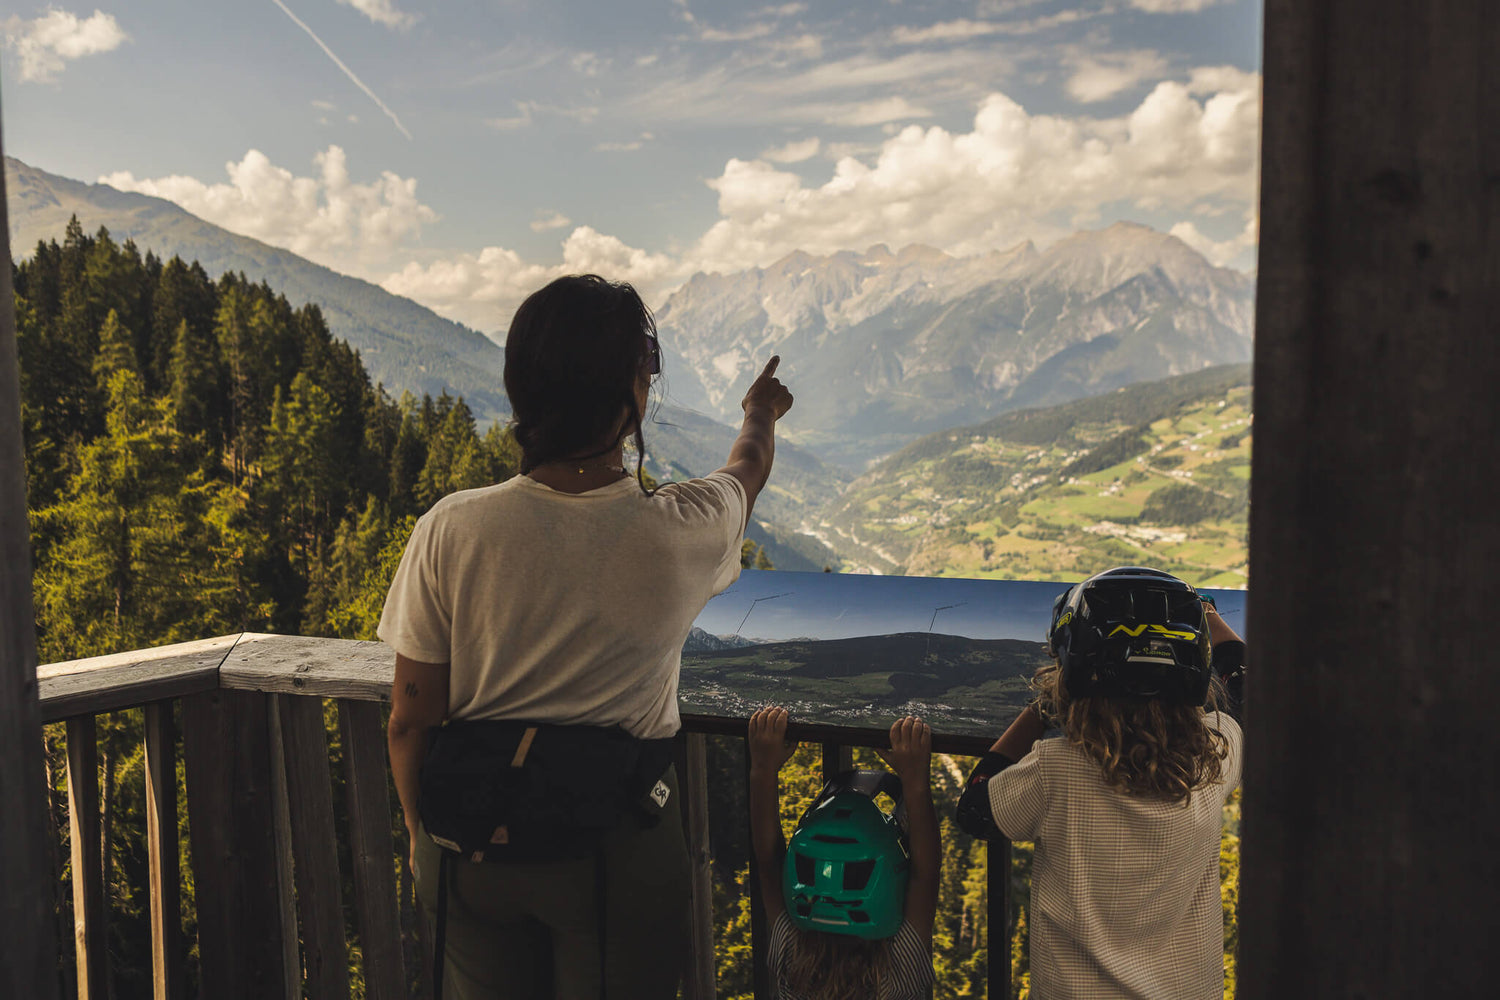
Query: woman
[563,596]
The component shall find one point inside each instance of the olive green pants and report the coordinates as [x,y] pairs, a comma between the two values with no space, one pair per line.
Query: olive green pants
[532,931]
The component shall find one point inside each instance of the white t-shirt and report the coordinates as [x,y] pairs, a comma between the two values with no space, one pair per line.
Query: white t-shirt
[565,608]
[1124,889]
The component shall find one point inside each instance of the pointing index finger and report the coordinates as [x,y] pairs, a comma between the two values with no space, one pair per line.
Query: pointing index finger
[770,368]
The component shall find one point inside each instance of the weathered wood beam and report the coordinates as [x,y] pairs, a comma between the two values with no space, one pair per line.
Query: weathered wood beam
[325,952]
[848,736]
[294,664]
[162,849]
[89,935]
[372,849]
[226,750]
[30,967]
[123,680]
[1372,765]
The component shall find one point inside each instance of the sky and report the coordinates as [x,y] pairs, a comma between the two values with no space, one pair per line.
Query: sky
[773,605]
[465,152]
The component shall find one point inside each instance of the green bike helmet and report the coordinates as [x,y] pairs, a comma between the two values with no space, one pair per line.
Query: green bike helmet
[847,864]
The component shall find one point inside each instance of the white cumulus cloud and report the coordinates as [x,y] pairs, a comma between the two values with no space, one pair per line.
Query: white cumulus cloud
[549,220]
[1015,175]
[484,289]
[382,12]
[44,45]
[328,217]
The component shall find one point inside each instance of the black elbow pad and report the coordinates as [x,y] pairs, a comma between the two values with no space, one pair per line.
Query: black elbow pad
[1229,664]
[973,813]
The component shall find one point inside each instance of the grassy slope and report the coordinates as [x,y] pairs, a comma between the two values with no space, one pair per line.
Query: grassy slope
[1156,473]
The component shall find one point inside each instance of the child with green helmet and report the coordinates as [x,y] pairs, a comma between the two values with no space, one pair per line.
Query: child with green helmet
[850,901]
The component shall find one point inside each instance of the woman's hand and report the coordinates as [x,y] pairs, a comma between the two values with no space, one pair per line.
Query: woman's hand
[768,392]
[910,755]
[769,748]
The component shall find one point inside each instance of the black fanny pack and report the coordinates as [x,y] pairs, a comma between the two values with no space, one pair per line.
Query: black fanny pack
[510,791]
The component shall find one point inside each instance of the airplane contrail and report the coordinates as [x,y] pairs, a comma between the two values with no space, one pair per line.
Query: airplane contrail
[340,64]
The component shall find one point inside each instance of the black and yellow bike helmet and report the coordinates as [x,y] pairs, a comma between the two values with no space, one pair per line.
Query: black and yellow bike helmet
[1132,632]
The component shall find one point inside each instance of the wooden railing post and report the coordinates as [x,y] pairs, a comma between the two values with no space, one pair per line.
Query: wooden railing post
[228,759]
[325,952]
[997,919]
[161,846]
[87,859]
[372,849]
[698,978]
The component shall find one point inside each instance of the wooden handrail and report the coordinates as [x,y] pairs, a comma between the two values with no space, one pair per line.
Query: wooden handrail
[265,803]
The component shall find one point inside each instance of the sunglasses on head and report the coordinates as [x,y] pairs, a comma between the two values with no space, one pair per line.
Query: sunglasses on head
[652,361]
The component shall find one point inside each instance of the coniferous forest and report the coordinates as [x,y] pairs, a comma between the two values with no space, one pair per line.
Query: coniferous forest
[203,458]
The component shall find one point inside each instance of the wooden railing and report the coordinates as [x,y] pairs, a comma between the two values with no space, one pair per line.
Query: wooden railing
[263,841]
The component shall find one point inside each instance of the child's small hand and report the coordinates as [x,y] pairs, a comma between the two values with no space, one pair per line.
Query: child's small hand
[910,755]
[768,745]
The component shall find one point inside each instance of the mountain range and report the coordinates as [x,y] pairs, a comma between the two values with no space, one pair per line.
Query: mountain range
[879,347]
[883,347]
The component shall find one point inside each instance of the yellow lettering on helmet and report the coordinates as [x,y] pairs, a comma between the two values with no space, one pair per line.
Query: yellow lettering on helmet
[1161,630]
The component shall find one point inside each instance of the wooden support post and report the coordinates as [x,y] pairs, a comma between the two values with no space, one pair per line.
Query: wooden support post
[240,928]
[161,846]
[699,977]
[998,917]
[286,885]
[1372,762]
[87,859]
[371,849]
[26,922]
[325,952]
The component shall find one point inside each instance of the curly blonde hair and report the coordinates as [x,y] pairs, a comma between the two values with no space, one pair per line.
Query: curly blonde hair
[837,966]
[1143,747]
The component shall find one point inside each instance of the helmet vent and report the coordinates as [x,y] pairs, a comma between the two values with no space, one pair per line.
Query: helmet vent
[857,874]
[804,868]
[829,838]
[859,916]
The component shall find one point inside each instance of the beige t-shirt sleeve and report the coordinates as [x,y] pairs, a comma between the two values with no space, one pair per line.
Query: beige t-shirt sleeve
[416,621]
[716,501]
[1018,796]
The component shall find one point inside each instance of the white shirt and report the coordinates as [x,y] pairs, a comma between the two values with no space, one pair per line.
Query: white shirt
[1124,889]
[565,608]
[910,969]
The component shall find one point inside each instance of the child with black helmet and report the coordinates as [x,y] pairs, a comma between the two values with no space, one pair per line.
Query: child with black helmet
[850,902]
[1125,808]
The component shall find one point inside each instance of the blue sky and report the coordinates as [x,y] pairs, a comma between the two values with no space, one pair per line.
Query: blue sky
[465,152]
[776,605]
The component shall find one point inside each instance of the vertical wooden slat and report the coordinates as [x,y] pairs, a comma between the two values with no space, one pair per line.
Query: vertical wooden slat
[759,939]
[998,917]
[281,816]
[372,849]
[29,968]
[161,846]
[88,870]
[698,978]
[226,752]
[325,951]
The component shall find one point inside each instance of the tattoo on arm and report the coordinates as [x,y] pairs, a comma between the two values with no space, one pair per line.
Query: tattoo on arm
[411,689]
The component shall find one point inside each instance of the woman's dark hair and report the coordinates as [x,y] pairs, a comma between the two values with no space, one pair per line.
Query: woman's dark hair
[573,358]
